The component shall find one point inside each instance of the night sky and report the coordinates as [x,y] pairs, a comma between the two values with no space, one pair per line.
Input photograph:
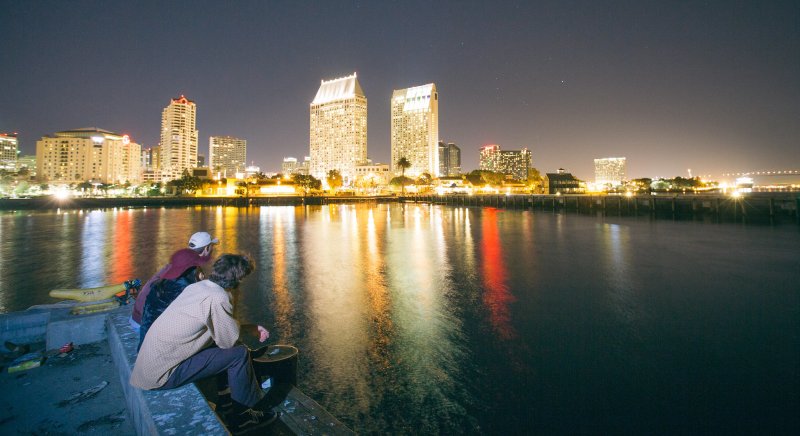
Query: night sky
[709,85]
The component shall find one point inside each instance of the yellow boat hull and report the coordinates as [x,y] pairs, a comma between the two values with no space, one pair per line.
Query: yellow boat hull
[89,294]
[100,306]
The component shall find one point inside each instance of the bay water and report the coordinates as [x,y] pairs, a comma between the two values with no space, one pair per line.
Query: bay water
[421,319]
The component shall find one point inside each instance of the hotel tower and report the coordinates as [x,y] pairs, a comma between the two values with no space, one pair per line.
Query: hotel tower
[338,137]
[609,171]
[227,155]
[88,155]
[415,129]
[178,138]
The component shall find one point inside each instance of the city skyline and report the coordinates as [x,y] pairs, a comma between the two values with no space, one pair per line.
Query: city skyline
[710,87]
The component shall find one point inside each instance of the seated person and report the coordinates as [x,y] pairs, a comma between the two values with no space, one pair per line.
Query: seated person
[183,270]
[201,243]
[196,337]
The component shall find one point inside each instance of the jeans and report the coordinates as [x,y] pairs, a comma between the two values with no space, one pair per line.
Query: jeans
[235,361]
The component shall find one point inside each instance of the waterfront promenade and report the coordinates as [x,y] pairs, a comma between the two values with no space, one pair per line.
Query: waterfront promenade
[85,390]
[771,207]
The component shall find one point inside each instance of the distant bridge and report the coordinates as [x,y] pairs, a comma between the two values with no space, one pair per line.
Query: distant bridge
[764,173]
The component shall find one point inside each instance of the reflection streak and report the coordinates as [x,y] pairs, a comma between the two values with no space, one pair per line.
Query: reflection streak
[496,296]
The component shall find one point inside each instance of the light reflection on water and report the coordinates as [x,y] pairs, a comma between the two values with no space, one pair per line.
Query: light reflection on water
[426,319]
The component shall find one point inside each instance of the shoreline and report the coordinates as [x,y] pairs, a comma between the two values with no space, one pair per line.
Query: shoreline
[756,207]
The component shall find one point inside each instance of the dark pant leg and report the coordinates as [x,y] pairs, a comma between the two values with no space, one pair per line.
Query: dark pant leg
[211,361]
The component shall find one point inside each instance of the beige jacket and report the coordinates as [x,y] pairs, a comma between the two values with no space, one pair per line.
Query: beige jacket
[201,316]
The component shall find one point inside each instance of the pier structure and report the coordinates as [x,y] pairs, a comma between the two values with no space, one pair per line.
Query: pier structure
[773,207]
[752,207]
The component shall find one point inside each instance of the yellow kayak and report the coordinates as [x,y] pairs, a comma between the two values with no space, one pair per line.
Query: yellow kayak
[89,294]
[100,306]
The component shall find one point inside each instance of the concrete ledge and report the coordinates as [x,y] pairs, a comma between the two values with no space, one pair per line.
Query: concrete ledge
[54,325]
[64,327]
[24,327]
[176,411]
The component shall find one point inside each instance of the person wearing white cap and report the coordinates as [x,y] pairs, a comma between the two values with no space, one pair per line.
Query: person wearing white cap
[202,244]
[202,241]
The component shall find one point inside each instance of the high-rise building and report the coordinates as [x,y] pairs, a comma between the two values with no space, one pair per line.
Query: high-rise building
[289,166]
[131,153]
[88,154]
[305,167]
[609,171]
[227,155]
[178,138]
[8,151]
[27,161]
[415,130]
[514,163]
[151,158]
[338,133]
[449,159]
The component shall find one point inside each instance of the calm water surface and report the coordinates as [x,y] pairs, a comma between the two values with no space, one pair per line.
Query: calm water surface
[424,319]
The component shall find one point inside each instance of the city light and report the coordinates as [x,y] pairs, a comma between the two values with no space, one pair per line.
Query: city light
[62,194]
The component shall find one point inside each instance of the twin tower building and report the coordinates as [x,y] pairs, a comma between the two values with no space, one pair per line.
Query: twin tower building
[338,134]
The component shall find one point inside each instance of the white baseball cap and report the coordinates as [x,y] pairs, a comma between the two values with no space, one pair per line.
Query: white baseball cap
[201,239]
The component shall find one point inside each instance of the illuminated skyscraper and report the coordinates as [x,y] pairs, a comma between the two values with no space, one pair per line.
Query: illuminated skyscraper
[8,151]
[609,171]
[338,136]
[178,138]
[227,155]
[27,161]
[415,129]
[449,159]
[89,154]
[510,162]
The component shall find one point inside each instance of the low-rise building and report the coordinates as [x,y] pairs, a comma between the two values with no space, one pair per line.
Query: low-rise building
[562,182]
[373,175]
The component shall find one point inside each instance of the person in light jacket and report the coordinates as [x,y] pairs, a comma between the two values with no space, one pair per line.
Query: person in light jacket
[197,336]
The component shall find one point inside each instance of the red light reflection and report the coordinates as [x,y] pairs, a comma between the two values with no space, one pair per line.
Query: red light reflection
[122,265]
[496,296]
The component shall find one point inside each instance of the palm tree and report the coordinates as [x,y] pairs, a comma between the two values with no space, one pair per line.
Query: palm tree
[334,180]
[403,163]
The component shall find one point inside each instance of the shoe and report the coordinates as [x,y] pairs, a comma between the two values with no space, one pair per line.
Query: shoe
[250,419]
[224,402]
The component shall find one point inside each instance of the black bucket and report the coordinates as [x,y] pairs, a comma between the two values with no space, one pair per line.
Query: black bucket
[278,362]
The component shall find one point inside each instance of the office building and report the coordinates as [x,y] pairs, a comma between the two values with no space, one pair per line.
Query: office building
[289,166]
[88,154]
[338,128]
[27,161]
[512,163]
[227,155]
[8,151]
[415,130]
[178,138]
[609,171]
[449,159]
